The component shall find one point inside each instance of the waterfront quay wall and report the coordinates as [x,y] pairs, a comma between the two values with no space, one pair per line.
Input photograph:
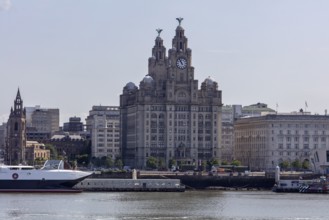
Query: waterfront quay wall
[212,182]
[157,185]
[237,182]
[199,181]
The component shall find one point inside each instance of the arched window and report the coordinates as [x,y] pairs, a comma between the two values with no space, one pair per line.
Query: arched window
[16,126]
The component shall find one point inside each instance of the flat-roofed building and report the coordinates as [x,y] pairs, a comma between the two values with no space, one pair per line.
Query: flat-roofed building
[103,123]
[264,142]
[41,123]
[74,125]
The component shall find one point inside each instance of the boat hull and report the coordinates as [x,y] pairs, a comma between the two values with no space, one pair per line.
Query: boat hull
[38,185]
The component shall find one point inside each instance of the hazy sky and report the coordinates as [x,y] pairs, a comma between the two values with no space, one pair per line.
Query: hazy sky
[73,54]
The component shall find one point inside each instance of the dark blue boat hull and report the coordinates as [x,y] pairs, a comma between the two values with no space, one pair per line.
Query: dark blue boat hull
[37,185]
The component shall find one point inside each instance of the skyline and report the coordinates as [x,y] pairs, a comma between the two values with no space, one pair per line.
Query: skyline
[79,54]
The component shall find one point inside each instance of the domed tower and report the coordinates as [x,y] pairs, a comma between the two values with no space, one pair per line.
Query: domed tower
[16,133]
[209,92]
[157,65]
[168,117]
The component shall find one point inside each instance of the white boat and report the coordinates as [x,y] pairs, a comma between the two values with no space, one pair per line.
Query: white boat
[52,177]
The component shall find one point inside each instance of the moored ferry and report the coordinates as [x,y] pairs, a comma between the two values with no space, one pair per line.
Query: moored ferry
[320,185]
[52,177]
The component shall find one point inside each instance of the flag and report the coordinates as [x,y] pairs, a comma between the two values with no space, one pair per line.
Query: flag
[306,104]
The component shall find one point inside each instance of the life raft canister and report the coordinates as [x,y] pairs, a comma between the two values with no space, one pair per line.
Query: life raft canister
[15,176]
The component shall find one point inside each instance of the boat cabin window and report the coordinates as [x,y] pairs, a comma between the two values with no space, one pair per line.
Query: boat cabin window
[27,168]
[53,164]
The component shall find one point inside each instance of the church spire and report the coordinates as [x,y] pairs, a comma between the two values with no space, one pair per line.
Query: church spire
[18,104]
[18,96]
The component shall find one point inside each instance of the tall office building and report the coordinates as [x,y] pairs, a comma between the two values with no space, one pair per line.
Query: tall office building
[168,117]
[41,123]
[103,123]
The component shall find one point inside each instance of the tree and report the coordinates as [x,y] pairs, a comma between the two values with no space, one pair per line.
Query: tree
[83,159]
[224,163]
[161,163]
[284,164]
[236,163]
[306,164]
[96,161]
[53,151]
[214,162]
[118,163]
[74,164]
[296,164]
[39,161]
[151,163]
[109,162]
[172,162]
[204,165]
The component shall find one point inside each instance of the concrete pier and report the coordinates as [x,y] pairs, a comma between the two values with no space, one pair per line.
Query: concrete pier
[156,185]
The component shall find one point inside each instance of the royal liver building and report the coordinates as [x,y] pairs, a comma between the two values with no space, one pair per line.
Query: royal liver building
[168,117]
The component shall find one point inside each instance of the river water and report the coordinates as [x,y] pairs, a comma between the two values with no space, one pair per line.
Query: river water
[222,205]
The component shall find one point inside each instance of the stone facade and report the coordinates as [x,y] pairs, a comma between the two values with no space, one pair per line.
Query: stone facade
[168,117]
[3,136]
[16,133]
[36,150]
[69,146]
[103,123]
[229,114]
[264,142]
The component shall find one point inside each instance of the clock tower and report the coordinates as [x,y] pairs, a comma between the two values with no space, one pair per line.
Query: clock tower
[168,117]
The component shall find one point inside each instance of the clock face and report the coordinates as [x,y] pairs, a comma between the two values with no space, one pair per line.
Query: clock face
[181,63]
